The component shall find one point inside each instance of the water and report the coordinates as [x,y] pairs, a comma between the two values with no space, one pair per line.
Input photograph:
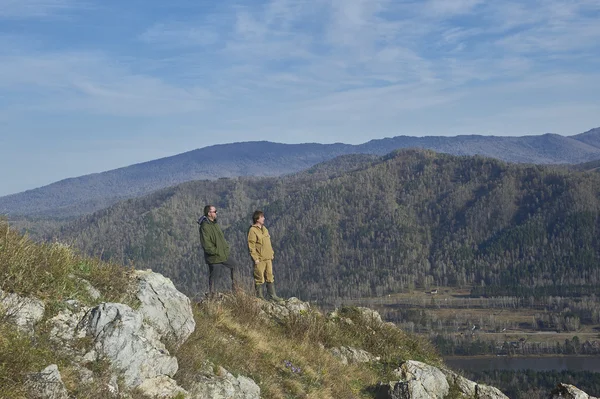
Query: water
[546,363]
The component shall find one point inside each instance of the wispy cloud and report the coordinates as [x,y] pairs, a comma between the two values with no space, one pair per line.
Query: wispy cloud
[92,83]
[36,8]
[180,35]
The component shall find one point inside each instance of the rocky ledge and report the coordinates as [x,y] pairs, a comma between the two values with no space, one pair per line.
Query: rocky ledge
[135,343]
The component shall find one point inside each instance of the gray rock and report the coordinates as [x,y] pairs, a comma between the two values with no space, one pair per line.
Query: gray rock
[161,387]
[370,315]
[424,381]
[131,345]
[224,386]
[21,311]
[347,355]
[393,390]
[63,326]
[165,308]
[46,384]
[488,392]
[467,387]
[567,391]
[282,310]
[90,289]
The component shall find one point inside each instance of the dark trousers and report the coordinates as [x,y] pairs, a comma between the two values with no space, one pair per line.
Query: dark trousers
[231,265]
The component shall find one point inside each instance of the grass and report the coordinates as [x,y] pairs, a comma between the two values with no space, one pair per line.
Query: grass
[52,273]
[292,359]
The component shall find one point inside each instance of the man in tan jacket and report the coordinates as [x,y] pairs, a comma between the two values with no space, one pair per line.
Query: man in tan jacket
[261,251]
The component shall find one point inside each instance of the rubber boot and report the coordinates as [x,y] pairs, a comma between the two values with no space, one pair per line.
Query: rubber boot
[259,291]
[271,291]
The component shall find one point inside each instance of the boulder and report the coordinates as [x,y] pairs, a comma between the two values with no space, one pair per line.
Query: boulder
[165,308]
[467,387]
[130,344]
[567,391]
[224,386]
[422,381]
[282,310]
[161,387]
[90,289]
[46,384]
[488,392]
[370,315]
[63,326]
[347,355]
[21,311]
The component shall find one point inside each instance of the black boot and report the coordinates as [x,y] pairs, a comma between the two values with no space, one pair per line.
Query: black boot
[271,291]
[259,291]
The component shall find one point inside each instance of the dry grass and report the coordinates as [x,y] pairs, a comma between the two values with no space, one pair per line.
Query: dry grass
[52,273]
[292,359]
[19,354]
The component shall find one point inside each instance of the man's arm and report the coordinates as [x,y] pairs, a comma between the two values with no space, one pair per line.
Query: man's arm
[252,246]
[208,243]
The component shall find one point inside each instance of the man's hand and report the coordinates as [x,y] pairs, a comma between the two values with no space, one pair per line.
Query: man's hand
[256,261]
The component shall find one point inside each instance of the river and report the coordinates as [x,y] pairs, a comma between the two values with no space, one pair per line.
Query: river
[546,363]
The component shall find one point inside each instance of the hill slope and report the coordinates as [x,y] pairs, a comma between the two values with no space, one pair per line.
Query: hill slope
[411,218]
[85,194]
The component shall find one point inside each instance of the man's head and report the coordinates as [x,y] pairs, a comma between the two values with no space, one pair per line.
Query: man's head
[258,217]
[210,211]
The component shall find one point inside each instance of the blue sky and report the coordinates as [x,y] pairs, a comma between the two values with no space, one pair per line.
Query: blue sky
[89,85]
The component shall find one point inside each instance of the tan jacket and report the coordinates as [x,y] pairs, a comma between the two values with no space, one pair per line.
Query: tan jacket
[259,244]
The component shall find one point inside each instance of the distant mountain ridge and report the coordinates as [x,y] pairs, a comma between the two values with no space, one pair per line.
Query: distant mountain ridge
[85,194]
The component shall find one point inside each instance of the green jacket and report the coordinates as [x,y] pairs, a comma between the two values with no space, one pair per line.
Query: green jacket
[216,249]
[259,244]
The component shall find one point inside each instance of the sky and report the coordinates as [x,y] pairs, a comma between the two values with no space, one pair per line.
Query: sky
[92,85]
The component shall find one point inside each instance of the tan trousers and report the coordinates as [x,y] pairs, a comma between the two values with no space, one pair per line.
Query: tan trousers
[263,271]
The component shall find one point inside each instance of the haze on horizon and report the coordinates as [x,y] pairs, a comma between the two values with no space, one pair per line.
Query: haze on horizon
[88,86]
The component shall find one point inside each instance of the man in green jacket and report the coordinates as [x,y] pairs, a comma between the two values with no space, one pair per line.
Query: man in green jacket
[261,252]
[216,249]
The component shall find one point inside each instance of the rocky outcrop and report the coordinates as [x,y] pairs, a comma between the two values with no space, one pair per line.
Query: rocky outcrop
[46,384]
[132,346]
[161,387]
[135,342]
[64,324]
[284,309]
[421,381]
[21,311]
[224,385]
[167,309]
[350,355]
[566,391]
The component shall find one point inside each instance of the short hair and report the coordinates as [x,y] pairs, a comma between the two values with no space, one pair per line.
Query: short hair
[256,215]
[207,209]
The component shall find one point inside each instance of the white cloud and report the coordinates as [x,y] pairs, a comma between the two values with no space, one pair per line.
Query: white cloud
[93,83]
[35,8]
[180,35]
[447,8]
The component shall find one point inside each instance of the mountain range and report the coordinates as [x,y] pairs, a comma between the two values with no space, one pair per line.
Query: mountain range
[85,194]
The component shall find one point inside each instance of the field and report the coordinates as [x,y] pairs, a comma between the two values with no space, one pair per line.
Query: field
[461,324]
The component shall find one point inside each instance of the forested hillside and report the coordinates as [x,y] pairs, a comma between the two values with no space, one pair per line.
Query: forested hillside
[410,219]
